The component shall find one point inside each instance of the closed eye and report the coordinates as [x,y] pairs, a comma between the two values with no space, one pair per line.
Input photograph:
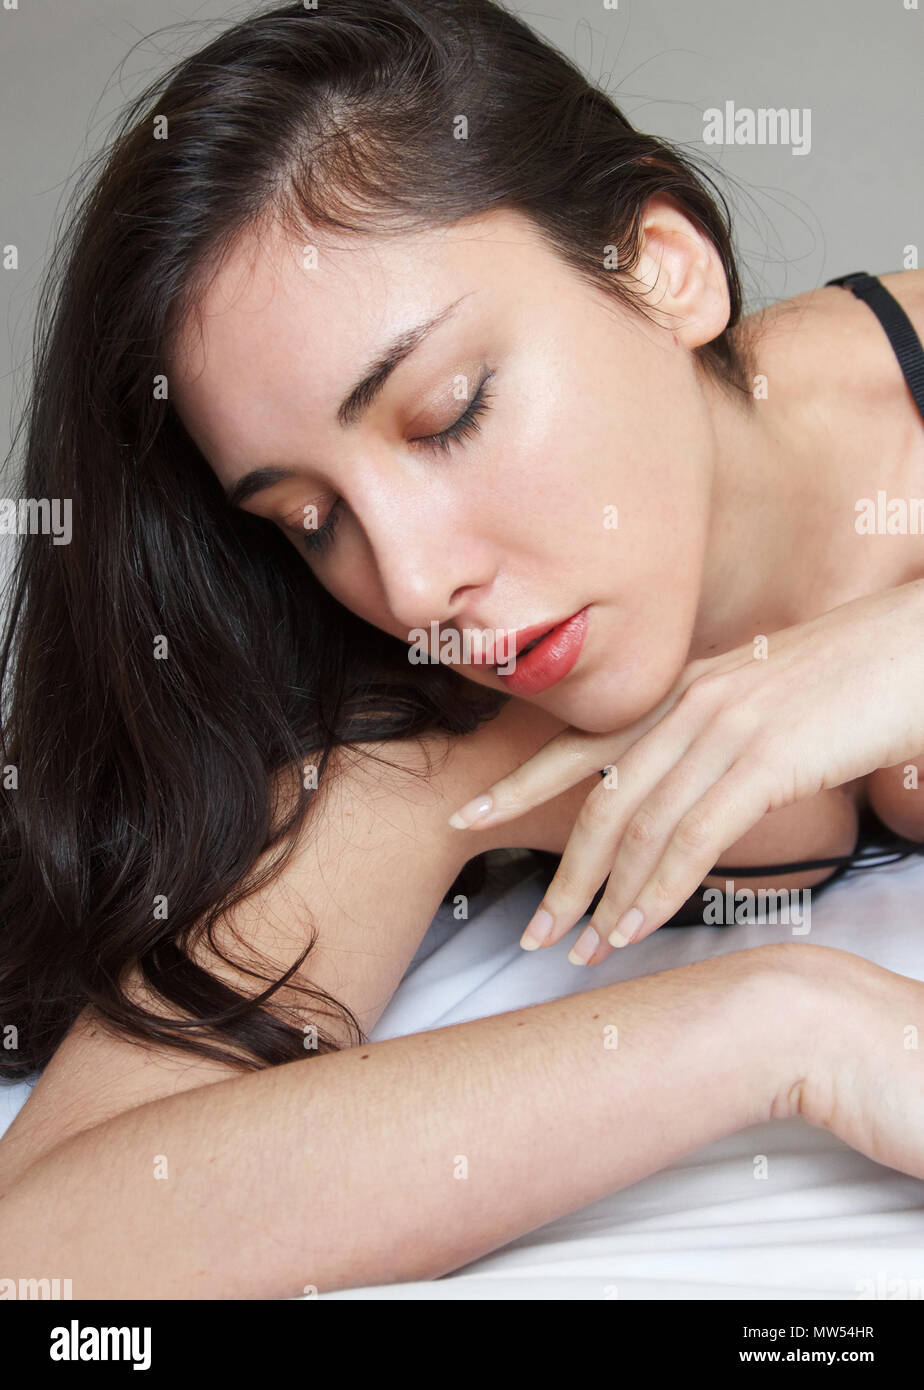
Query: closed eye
[467,424]
[317,541]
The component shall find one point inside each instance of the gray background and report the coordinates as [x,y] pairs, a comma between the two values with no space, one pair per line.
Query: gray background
[853,203]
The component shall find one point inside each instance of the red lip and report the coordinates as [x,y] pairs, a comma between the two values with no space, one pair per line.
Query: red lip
[524,635]
[551,659]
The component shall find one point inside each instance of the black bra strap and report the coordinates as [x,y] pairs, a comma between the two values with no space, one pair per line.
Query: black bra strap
[872,857]
[898,326]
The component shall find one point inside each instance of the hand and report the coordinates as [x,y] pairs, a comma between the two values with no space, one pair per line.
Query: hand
[857,1068]
[737,736]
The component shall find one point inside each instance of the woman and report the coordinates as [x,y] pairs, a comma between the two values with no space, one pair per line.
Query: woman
[376,318]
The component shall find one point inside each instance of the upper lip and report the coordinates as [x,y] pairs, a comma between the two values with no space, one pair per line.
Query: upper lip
[524,635]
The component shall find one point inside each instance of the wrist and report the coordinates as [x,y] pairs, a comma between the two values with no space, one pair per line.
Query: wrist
[785,1014]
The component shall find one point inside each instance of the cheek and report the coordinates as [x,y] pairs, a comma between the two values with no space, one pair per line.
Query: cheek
[350,579]
[646,520]
[637,449]
[657,586]
[359,594]
[667,526]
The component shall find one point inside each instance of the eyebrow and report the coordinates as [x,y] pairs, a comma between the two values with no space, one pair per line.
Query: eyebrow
[353,406]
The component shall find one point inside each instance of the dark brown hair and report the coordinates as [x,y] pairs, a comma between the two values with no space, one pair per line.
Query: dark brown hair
[140,780]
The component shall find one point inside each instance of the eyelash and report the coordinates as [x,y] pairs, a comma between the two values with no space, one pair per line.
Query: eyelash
[468,423]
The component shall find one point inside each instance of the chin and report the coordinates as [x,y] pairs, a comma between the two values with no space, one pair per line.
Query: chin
[611,701]
[600,716]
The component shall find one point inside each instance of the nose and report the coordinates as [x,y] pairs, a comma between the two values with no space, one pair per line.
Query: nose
[430,559]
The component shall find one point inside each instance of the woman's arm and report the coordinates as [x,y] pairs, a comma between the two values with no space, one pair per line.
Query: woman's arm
[408,1158]
[137,1171]
[373,864]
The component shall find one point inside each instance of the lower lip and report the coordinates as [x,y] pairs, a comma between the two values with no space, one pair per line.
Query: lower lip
[550,660]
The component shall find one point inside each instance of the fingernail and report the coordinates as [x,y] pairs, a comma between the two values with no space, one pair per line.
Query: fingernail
[471,811]
[626,927]
[538,929]
[584,947]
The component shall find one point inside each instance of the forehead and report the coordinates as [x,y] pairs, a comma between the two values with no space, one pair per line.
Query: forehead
[279,334]
[276,297]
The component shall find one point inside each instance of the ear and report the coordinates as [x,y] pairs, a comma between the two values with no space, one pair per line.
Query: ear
[681,273]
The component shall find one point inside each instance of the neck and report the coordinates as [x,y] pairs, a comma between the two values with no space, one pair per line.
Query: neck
[771,494]
[781,543]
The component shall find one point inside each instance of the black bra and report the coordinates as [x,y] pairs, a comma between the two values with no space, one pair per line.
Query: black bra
[876,843]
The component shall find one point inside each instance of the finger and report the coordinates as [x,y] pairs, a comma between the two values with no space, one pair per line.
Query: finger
[728,810]
[592,846]
[589,949]
[647,831]
[584,864]
[560,764]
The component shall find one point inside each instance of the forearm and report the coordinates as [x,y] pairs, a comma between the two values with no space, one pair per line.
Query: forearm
[408,1158]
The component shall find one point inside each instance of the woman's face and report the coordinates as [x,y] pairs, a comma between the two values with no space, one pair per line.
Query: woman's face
[581,484]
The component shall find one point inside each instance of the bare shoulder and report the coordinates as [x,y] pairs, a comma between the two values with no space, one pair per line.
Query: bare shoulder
[825,353]
[365,878]
[828,315]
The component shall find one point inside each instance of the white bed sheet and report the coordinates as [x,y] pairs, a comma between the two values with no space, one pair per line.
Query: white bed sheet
[826,1223]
